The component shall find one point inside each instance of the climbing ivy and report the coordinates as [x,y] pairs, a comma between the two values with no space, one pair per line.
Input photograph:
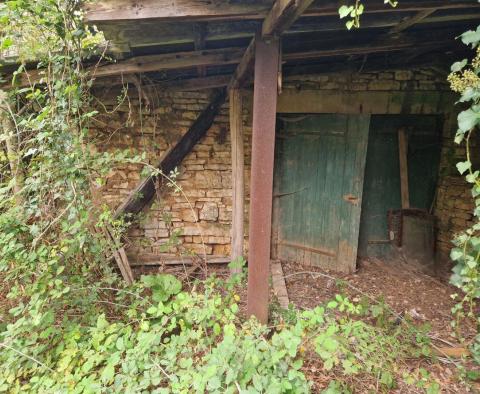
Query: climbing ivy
[465,79]
[354,11]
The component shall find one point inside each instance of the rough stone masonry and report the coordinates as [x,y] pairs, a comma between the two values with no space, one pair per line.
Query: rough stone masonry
[197,219]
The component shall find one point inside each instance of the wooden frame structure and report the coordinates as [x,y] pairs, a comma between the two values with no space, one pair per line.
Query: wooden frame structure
[193,44]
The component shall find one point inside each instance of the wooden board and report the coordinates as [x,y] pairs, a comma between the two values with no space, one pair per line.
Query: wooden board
[156,260]
[238,174]
[402,156]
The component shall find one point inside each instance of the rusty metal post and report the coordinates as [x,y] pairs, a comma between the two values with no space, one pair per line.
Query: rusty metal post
[261,183]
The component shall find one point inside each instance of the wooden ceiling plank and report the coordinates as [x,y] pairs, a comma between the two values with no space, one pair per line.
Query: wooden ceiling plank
[151,89]
[360,50]
[189,10]
[155,34]
[199,10]
[408,22]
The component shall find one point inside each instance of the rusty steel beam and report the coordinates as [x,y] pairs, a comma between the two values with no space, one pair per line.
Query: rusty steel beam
[267,52]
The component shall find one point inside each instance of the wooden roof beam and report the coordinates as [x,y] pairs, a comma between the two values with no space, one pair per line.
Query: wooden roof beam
[282,15]
[168,61]
[200,10]
[148,63]
[226,56]
[408,22]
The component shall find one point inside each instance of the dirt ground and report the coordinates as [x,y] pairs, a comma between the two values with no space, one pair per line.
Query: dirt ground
[407,291]
[404,289]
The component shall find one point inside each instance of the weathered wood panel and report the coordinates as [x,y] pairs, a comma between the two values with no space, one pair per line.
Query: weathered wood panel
[319,179]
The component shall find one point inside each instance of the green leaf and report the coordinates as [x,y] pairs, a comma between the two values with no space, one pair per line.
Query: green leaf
[463,166]
[330,344]
[162,286]
[386,379]
[7,42]
[119,344]
[471,178]
[470,93]
[471,37]
[344,11]
[468,119]
[332,304]
[152,310]
[457,66]
[108,373]
[350,24]
[456,254]
[459,137]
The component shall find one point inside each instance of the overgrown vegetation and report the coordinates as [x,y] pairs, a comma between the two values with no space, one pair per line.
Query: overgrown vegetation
[69,325]
[465,79]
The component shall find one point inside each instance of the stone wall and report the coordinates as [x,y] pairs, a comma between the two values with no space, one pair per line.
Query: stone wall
[454,202]
[199,217]
[193,214]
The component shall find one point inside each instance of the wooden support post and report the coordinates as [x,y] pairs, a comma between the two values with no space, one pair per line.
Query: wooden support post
[238,168]
[402,154]
[261,193]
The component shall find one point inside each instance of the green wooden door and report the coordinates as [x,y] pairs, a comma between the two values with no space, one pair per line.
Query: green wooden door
[319,167]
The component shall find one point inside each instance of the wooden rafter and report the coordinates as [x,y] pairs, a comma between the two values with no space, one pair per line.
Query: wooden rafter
[167,61]
[282,15]
[406,23]
[141,64]
[123,70]
[145,191]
